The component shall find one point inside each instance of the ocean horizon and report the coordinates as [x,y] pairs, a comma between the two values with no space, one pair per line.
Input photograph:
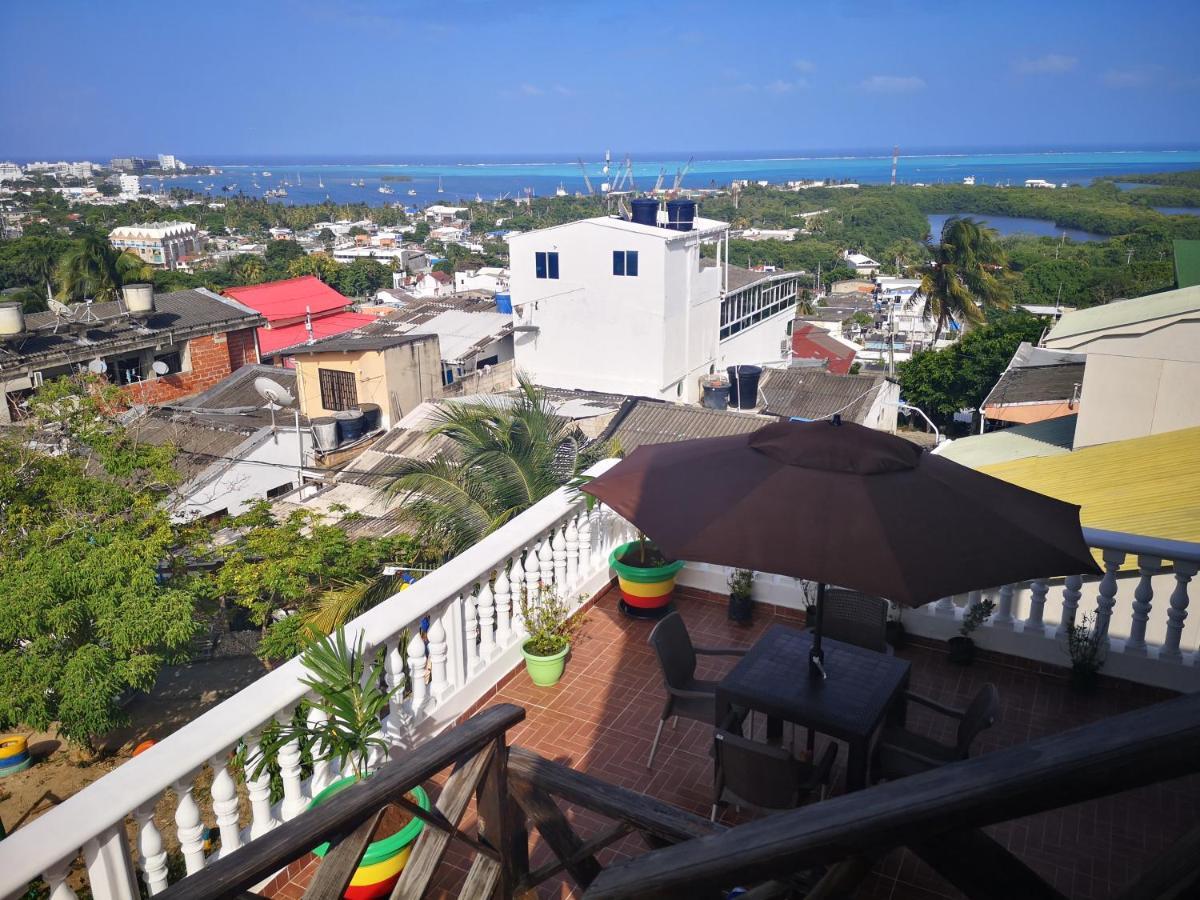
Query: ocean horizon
[415,180]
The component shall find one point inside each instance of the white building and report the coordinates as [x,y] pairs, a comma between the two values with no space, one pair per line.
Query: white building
[167,162]
[130,185]
[158,243]
[610,305]
[80,169]
[444,215]
[485,278]
[10,172]
[861,263]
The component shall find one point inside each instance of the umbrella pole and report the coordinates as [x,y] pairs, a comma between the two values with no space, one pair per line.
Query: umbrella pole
[816,656]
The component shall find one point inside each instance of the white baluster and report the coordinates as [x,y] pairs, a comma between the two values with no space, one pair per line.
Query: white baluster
[438,683]
[596,537]
[946,607]
[519,577]
[533,572]
[587,565]
[188,827]
[109,868]
[1072,592]
[262,818]
[546,564]
[571,546]
[322,771]
[225,807]
[1004,609]
[1035,621]
[1184,572]
[395,726]
[294,801]
[416,671]
[504,598]
[487,618]
[471,631]
[1143,599]
[152,858]
[56,879]
[1107,598]
[558,548]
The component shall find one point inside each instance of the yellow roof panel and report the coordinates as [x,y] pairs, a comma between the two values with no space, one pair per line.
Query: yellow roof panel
[1148,485]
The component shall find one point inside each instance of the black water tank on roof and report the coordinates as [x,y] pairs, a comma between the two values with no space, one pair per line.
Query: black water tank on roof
[743,386]
[372,417]
[645,211]
[349,424]
[681,214]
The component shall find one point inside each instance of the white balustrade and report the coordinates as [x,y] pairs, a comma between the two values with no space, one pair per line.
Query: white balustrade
[438,681]
[486,603]
[946,607]
[1034,622]
[395,725]
[258,787]
[470,631]
[1106,601]
[587,561]
[571,552]
[1184,572]
[547,575]
[1143,598]
[225,808]
[294,801]
[55,876]
[1004,608]
[1071,595]
[188,826]
[152,856]
[503,591]
[416,673]
[109,867]
[533,573]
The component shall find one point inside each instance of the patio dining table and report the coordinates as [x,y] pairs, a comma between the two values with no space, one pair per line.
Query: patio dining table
[862,688]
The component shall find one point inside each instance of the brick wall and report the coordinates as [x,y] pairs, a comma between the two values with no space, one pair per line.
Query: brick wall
[213,357]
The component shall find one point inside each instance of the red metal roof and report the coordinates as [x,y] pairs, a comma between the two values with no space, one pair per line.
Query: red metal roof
[812,342]
[289,298]
[272,339]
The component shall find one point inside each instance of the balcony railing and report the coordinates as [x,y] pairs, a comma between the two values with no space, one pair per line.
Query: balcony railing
[472,639]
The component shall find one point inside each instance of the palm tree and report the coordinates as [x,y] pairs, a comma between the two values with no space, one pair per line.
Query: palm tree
[506,457]
[965,276]
[89,269]
[247,269]
[133,269]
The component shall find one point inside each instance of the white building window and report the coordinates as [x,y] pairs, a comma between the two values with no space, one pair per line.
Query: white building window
[625,262]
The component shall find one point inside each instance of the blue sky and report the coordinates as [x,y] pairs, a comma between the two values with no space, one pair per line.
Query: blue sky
[390,79]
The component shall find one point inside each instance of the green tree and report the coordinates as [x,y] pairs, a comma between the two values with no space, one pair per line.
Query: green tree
[90,269]
[327,238]
[965,275]
[278,255]
[506,458]
[247,268]
[362,278]
[88,615]
[319,264]
[941,382]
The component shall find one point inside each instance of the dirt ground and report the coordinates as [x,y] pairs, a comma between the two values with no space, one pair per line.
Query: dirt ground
[180,695]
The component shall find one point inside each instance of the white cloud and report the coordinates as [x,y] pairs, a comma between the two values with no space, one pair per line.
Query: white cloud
[892,84]
[531,90]
[804,65]
[563,91]
[1129,78]
[1050,64]
[779,86]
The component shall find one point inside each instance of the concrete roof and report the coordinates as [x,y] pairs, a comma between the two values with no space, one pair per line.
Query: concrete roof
[1050,437]
[1127,312]
[461,332]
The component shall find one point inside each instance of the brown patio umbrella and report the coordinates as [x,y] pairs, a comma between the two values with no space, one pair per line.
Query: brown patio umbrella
[842,504]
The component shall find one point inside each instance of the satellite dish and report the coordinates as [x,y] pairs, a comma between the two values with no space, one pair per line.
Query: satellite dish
[97,366]
[59,308]
[273,392]
[160,367]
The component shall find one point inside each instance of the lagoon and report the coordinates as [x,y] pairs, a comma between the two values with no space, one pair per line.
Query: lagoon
[1010,225]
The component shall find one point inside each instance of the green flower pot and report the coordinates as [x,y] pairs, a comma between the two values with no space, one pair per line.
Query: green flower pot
[545,671]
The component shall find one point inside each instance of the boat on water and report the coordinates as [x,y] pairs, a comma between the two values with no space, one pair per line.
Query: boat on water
[320,182]
[412,192]
[384,189]
[560,191]
[266,174]
[440,191]
[478,197]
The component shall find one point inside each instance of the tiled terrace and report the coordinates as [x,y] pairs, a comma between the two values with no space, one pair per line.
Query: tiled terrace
[601,718]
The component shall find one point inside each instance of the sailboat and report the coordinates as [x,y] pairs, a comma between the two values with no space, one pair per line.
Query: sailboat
[320,182]
[298,181]
[412,192]
[384,189]
[440,191]
[266,174]
[561,191]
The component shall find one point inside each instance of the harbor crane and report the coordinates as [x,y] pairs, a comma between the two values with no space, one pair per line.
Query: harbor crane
[586,181]
[662,173]
[680,174]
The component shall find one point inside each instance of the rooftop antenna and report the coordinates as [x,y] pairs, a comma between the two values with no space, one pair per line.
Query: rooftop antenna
[279,397]
[308,323]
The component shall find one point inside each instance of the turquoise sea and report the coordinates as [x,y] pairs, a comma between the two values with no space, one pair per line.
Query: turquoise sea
[310,181]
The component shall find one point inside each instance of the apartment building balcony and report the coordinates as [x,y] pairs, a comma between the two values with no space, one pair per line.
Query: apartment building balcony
[142,826]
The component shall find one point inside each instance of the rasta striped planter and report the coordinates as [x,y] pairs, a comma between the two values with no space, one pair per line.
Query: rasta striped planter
[381,865]
[14,754]
[645,592]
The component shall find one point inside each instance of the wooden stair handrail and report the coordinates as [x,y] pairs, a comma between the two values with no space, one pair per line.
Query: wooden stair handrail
[1148,745]
[341,813]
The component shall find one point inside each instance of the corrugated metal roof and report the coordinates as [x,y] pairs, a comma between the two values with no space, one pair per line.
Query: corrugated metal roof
[813,394]
[290,298]
[654,422]
[1147,485]
[1126,312]
[459,332]
[1036,384]
[1051,437]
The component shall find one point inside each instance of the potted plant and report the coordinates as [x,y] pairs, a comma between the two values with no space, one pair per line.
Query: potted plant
[741,595]
[547,620]
[1087,649]
[646,578]
[962,648]
[354,701]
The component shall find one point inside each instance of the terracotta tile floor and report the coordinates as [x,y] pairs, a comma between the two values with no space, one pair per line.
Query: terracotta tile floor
[601,718]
